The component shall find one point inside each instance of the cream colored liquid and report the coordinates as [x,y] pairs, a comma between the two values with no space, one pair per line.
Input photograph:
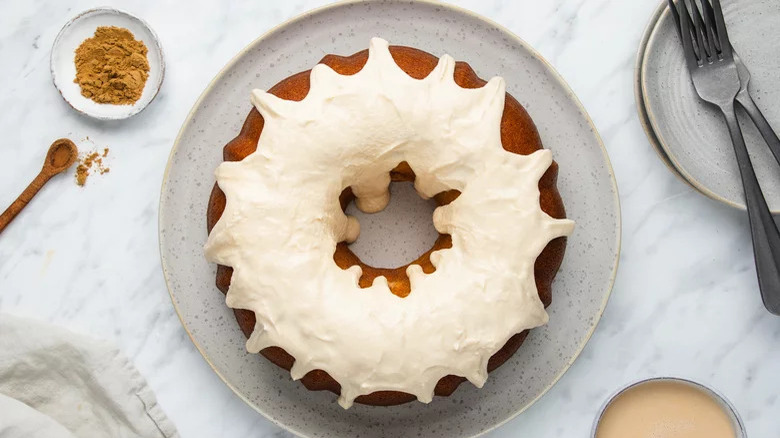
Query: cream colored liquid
[665,409]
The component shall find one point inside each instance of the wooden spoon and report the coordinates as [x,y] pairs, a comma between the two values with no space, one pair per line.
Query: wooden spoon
[62,154]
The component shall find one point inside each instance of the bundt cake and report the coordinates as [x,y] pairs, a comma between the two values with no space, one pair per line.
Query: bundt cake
[439,132]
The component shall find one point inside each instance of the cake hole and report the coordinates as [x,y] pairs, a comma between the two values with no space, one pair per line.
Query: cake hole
[400,233]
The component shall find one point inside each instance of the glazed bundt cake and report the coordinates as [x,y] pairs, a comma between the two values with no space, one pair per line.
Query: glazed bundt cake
[453,172]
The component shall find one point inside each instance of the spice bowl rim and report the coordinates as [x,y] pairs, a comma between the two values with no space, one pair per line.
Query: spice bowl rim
[132,109]
[715,394]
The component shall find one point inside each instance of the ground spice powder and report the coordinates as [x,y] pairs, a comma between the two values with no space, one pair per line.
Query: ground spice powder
[92,161]
[111,67]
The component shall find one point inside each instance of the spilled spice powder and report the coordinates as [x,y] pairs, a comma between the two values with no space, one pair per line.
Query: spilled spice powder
[91,162]
[111,67]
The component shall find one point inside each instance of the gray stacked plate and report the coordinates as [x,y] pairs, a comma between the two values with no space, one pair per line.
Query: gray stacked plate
[689,136]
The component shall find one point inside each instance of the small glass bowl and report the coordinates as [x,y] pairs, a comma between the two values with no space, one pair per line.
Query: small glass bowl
[739,428]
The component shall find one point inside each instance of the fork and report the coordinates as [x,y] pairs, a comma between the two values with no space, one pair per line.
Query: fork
[710,61]
[743,97]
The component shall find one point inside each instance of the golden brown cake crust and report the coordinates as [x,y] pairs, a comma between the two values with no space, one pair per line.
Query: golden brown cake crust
[518,135]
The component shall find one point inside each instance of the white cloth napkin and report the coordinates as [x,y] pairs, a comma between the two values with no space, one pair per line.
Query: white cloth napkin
[57,384]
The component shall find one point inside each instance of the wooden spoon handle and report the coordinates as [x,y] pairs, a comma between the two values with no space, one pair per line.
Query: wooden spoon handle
[10,213]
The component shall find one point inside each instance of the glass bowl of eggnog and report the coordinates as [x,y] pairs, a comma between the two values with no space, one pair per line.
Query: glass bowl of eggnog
[667,407]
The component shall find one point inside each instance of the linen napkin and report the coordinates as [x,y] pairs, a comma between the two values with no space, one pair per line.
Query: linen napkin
[57,384]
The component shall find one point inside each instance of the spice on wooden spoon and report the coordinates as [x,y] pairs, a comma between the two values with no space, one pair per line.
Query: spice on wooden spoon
[62,154]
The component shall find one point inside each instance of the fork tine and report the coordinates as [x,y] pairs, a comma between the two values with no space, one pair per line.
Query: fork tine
[685,31]
[699,31]
[723,36]
[676,16]
[708,29]
[709,22]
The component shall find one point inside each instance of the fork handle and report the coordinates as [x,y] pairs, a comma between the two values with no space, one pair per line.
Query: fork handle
[766,238]
[761,123]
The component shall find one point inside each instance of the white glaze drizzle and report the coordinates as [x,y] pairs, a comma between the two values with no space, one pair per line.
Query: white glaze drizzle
[282,222]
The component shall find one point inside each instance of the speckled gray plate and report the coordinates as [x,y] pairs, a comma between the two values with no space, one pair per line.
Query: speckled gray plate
[690,132]
[644,119]
[586,183]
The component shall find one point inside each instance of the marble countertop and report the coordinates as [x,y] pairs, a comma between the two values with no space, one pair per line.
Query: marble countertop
[685,302]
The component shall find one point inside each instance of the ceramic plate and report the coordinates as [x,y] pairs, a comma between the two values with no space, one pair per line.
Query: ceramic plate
[586,183]
[691,132]
[83,26]
[644,119]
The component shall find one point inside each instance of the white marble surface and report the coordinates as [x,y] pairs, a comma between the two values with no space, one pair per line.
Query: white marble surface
[685,302]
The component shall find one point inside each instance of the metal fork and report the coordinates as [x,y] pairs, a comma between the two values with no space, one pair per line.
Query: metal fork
[743,97]
[710,61]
